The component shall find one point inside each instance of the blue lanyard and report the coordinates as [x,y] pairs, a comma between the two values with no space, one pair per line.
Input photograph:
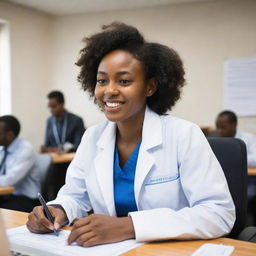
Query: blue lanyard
[60,141]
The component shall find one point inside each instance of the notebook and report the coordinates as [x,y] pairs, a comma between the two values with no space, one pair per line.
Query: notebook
[19,241]
[15,249]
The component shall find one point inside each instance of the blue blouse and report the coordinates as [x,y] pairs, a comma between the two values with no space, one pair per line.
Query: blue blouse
[124,183]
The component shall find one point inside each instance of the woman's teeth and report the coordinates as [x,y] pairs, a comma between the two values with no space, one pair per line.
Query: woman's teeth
[113,104]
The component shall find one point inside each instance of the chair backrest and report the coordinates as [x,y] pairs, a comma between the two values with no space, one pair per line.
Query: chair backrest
[231,153]
[44,162]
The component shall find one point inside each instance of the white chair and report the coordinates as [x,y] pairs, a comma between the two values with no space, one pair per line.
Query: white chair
[44,162]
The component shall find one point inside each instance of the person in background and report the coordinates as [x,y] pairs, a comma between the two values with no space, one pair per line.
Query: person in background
[64,130]
[18,167]
[226,126]
[144,174]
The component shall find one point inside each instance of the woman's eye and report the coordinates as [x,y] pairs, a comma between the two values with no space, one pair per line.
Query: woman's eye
[101,81]
[124,81]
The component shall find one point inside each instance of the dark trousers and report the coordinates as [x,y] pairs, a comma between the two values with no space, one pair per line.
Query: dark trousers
[18,203]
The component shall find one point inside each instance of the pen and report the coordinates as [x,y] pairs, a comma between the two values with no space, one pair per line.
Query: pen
[46,210]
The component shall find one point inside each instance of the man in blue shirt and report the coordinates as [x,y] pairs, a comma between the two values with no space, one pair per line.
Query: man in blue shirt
[226,126]
[18,167]
[64,130]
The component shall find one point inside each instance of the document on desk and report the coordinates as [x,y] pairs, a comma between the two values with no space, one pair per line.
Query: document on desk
[57,244]
[208,249]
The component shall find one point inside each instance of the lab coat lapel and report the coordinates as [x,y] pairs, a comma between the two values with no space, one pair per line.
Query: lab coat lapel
[151,137]
[103,163]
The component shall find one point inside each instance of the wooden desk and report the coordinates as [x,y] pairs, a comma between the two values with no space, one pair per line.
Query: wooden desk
[6,190]
[185,248]
[12,218]
[174,248]
[252,171]
[62,158]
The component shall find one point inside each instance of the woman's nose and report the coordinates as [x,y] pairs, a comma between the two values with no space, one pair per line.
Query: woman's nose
[111,88]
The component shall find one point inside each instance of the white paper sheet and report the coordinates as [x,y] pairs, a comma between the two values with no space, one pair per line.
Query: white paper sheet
[208,249]
[240,86]
[57,244]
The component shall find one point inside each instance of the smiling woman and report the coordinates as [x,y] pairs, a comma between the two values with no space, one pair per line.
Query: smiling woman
[144,174]
[121,89]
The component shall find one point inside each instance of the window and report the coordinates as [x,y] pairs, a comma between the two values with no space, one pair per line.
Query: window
[5,72]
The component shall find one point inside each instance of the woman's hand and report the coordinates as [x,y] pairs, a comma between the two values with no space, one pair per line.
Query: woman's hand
[38,223]
[100,229]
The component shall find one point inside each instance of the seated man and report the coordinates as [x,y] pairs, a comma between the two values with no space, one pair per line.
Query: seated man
[64,130]
[18,167]
[226,126]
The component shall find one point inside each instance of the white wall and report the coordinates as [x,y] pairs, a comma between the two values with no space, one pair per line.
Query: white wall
[45,48]
[204,34]
[31,67]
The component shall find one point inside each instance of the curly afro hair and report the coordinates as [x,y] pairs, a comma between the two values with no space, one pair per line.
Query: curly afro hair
[158,61]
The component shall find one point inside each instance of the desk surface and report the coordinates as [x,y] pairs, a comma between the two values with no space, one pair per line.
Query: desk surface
[252,171]
[6,190]
[62,158]
[174,248]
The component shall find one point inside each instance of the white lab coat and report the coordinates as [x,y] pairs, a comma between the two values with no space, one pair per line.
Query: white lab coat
[180,188]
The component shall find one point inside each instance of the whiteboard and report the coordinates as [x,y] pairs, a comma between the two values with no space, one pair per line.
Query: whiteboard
[240,86]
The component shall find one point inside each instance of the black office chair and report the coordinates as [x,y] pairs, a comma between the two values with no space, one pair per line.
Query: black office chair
[231,153]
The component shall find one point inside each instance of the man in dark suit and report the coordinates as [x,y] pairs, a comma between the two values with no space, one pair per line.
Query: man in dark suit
[64,130]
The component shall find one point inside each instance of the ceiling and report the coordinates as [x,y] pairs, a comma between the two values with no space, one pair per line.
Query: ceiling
[68,7]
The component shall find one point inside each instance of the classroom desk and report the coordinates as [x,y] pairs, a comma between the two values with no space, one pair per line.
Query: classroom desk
[252,171]
[174,248]
[62,158]
[6,190]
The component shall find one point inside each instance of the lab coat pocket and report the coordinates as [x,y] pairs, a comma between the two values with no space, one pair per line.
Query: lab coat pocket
[162,191]
[161,179]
